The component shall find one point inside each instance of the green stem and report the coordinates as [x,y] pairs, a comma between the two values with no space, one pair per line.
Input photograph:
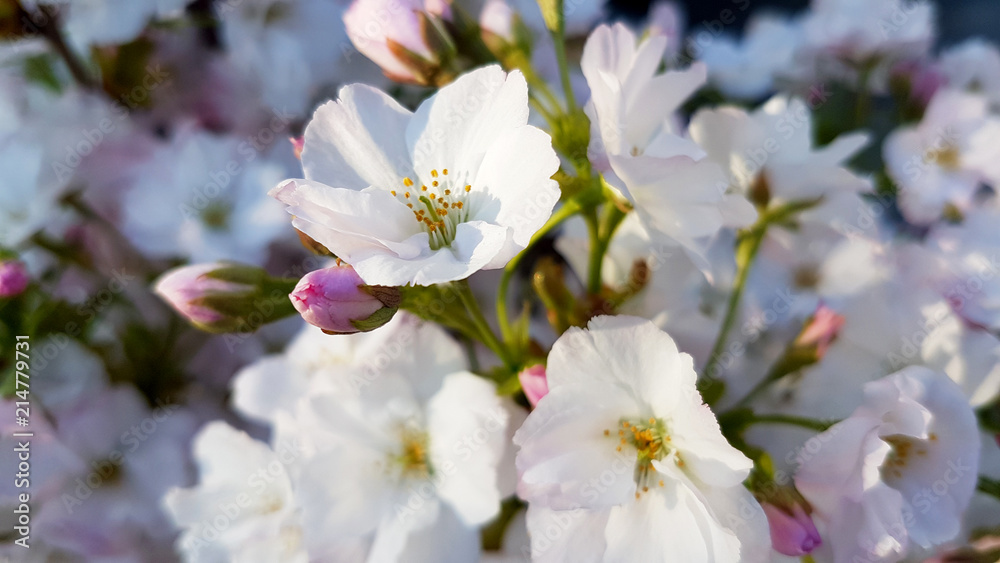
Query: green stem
[801,421]
[601,235]
[50,31]
[539,85]
[560,48]
[506,331]
[482,326]
[746,251]
[540,108]
[596,259]
[863,105]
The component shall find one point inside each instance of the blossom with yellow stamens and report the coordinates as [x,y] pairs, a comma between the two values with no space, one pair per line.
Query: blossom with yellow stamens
[363,152]
[623,434]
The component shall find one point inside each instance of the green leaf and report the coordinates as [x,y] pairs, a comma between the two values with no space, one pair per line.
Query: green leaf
[39,69]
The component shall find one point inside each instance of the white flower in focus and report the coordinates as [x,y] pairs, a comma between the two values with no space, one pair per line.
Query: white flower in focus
[940,163]
[624,435]
[408,465]
[900,471]
[769,154]
[427,197]
[243,507]
[748,69]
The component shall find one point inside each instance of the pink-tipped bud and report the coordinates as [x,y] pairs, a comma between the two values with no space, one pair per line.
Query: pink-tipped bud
[338,301]
[792,533]
[225,297]
[406,38]
[921,79]
[533,383]
[298,143]
[821,330]
[497,18]
[14,278]
[184,287]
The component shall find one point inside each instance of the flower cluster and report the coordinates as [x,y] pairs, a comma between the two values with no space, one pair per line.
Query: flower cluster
[451,281]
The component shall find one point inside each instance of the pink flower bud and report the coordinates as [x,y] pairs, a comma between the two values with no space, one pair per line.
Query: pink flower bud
[533,383]
[821,330]
[791,534]
[924,80]
[398,35]
[497,17]
[184,287]
[338,301]
[298,143]
[13,278]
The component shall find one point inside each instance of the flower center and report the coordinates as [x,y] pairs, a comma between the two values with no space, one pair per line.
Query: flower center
[946,157]
[413,459]
[439,205]
[651,440]
[216,216]
[903,450]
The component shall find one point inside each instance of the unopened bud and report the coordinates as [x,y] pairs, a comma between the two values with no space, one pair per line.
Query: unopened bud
[792,529]
[338,301]
[820,331]
[14,278]
[533,383]
[298,143]
[222,297]
[406,38]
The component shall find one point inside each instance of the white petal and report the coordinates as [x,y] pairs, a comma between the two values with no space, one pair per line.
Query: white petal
[517,170]
[705,451]
[627,352]
[565,460]
[343,220]
[467,426]
[455,127]
[358,141]
[558,536]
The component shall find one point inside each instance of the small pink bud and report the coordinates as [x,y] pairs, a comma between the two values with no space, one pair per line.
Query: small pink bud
[14,278]
[226,297]
[791,534]
[924,80]
[821,330]
[184,287]
[338,301]
[298,143]
[400,36]
[533,383]
[497,17]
